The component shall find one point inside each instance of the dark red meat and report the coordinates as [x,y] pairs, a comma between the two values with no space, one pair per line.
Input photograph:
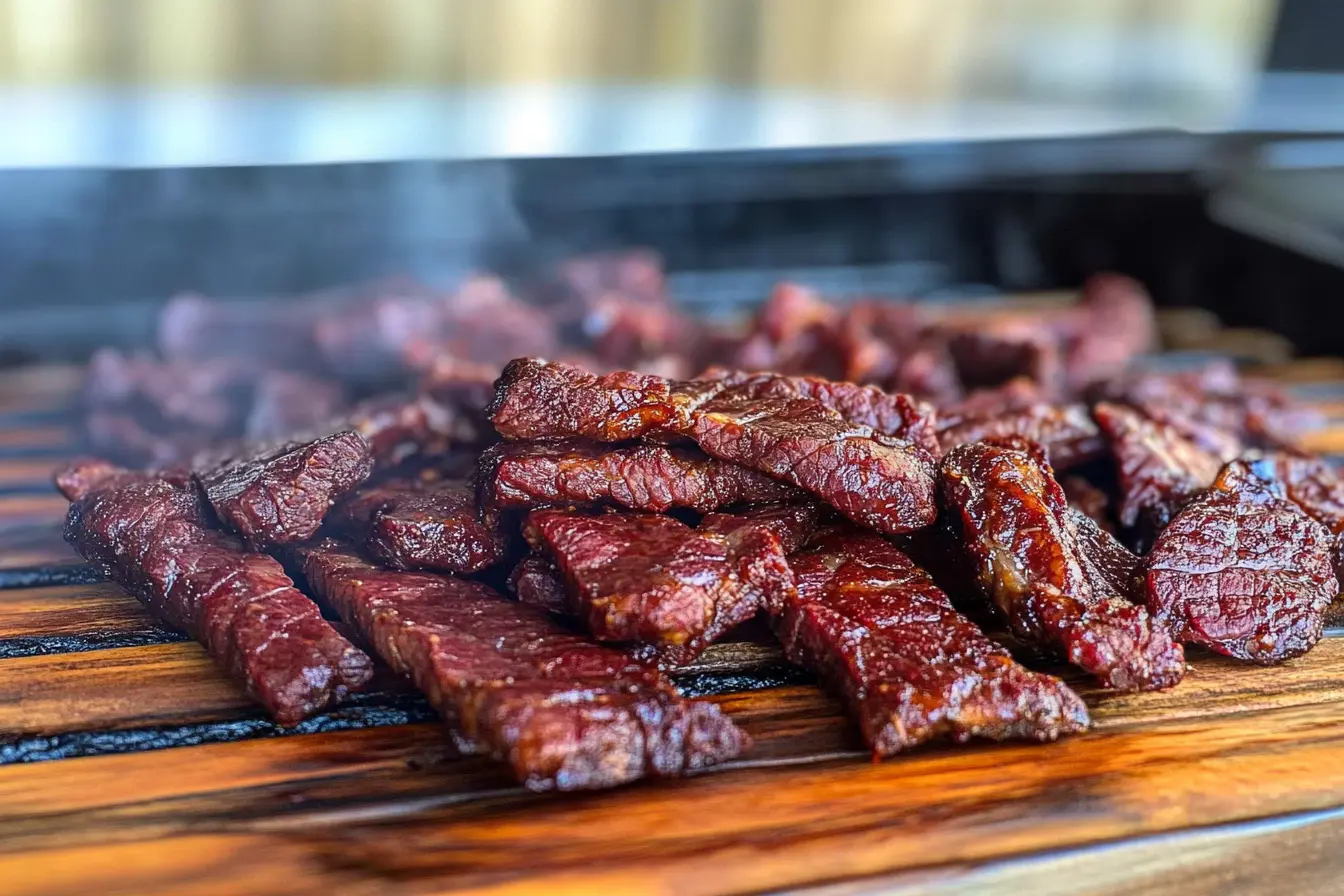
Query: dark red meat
[1016,528]
[281,495]
[564,713]
[880,633]
[286,404]
[536,580]
[419,524]
[899,416]
[639,477]
[655,580]
[1159,469]
[1243,571]
[1105,559]
[193,328]
[150,535]
[1215,408]
[990,353]
[1092,502]
[1115,322]
[879,481]
[795,331]
[1067,432]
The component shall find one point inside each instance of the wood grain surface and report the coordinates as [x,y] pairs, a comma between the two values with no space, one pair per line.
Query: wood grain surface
[128,764]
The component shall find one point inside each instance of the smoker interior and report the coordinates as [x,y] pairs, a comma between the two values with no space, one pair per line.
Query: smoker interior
[90,255]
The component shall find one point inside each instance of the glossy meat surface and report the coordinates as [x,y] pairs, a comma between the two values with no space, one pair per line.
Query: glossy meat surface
[879,481]
[563,712]
[1017,530]
[1067,432]
[281,495]
[419,524]
[880,633]
[1243,571]
[655,580]
[645,477]
[1159,469]
[536,580]
[151,536]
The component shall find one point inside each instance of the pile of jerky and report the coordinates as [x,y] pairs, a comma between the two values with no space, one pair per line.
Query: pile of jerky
[898,490]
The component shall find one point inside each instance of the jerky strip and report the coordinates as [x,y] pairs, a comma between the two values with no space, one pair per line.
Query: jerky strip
[1017,529]
[419,524]
[150,535]
[655,580]
[876,480]
[1159,468]
[878,631]
[281,495]
[653,478]
[565,713]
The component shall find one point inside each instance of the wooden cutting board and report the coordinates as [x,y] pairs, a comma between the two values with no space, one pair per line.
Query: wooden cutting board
[129,765]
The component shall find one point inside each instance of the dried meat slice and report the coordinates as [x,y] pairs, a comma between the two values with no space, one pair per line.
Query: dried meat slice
[1159,469]
[654,580]
[1243,571]
[879,632]
[1016,528]
[536,580]
[563,712]
[882,482]
[277,496]
[885,485]
[422,524]
[1067,432]
[654,478]
[890,414]
[150,535]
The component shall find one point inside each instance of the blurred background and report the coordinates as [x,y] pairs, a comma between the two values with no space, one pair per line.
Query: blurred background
[254,148]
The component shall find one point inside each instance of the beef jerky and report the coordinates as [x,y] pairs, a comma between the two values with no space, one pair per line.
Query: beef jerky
[564,713]
[536,580]
[364,336]
[1067,432]
[123,437]
[1159,469]
[1089,500]
[879,632]
[1310,482]
[150,535]
[653,478]
[1243,571]
[419,524]
[286,404]
[398,428]
[879,481]
[281,495]
[206,396]
[655,580]
[483,323]
[1114,323]
[899,416]
[1214,407]
[1016,528]
[193,329]
[1105,559]
[993,352]
[795,331]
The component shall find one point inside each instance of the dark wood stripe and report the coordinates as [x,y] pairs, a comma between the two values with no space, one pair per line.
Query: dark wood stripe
[60,575]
